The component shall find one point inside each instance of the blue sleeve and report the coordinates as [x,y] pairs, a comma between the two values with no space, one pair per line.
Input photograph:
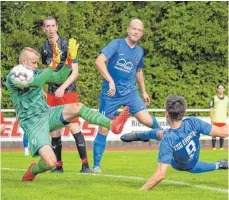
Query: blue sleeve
[141,63]
[165,152]
[75,61]
[202,126]
[110,49]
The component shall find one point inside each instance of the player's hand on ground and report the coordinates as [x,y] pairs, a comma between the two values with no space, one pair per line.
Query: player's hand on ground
[60,92]
[72,51]
[112,90]
[146,98]
[56,56]
[147,186]
[144,188]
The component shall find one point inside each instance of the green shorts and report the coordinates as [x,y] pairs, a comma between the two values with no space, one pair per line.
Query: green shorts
[39,133]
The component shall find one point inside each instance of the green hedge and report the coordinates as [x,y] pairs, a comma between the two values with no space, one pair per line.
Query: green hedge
[185,43]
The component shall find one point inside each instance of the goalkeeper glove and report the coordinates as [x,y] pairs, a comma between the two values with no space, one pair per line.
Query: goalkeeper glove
[56,56]
[72,51]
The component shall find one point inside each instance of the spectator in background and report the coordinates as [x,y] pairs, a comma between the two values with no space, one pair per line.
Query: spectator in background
[219,112]
[60,94]
[2,125]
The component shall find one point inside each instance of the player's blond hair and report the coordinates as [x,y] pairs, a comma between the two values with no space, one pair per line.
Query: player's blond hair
[133,21]
[27,49]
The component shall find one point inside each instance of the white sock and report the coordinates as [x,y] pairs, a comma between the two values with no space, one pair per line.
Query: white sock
[26,151]
[217,165]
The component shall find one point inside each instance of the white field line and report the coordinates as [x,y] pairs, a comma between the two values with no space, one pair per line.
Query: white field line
[140,178]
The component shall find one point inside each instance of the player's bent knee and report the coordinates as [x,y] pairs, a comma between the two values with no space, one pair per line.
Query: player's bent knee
[146,120]
[76,107]
[51,162]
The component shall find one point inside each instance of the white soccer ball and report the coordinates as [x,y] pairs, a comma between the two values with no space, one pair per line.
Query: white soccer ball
[22,75]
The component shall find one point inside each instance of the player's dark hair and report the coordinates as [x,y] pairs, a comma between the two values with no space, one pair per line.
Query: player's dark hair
[49,18]
[176,107]
[219,84]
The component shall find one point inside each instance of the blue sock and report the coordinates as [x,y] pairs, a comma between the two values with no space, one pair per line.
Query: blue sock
[152,134]
[201,167]
[25,141]
[155,123]
[98,148]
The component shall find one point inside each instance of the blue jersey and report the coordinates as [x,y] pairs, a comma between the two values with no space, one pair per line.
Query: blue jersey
[122,64]
[181,147]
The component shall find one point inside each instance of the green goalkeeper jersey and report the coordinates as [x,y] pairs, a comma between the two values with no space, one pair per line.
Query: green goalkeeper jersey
[29,102]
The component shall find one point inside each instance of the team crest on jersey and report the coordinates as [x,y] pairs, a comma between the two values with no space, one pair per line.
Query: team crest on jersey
[136,60]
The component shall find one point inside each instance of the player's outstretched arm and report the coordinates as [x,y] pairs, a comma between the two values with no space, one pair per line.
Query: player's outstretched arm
[219,131]
[157,177]
[51,76]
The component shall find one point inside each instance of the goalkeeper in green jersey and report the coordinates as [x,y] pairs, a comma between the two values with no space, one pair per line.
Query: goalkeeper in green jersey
[37,119]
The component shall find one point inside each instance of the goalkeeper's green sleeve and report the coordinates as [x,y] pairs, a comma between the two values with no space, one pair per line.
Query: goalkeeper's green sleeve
[50,76]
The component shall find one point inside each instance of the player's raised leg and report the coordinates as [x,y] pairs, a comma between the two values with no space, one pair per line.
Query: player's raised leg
[116,125]
[155,134]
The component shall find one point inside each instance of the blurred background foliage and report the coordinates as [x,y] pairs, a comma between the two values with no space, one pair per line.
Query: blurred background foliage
[185,43]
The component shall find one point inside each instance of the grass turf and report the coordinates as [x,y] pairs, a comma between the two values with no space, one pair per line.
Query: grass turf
[124,172]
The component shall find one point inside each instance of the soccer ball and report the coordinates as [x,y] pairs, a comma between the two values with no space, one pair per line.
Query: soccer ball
[22,75]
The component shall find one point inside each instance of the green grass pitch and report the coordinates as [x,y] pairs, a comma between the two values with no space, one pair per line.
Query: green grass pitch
[124,172]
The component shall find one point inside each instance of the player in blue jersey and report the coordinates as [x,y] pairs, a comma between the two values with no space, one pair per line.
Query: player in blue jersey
[180,146]
[121,63]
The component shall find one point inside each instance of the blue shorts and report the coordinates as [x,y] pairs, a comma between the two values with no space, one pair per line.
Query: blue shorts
[183,167]
[110,106]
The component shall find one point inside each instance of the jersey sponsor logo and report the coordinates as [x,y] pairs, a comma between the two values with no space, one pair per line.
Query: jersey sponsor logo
[185,141]
[122,65]
[186,148]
